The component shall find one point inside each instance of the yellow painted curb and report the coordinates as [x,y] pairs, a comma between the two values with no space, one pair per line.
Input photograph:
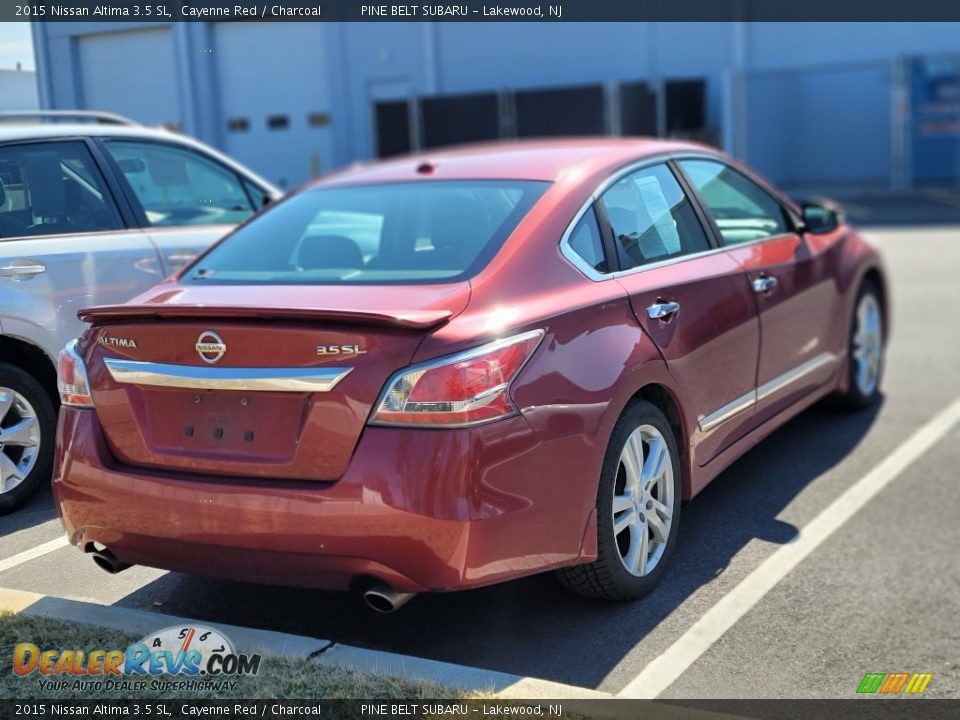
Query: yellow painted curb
[17,600]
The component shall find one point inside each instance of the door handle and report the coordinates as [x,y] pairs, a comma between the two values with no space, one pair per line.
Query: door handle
[181,258]
[764,284]
[22,269]
[660,310]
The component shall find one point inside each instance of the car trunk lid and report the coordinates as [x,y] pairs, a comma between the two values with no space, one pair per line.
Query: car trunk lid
[274,384]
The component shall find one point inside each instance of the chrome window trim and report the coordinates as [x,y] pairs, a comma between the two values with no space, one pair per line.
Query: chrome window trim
[85,233]
[257,379]
[567,251]
[768,389]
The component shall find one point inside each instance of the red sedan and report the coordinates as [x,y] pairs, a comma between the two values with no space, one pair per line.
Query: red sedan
[444,372]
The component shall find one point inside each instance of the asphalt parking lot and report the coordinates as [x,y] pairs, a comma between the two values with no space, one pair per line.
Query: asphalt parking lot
[879,594]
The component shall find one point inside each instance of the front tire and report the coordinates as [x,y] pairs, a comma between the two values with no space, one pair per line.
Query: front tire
[27,428]
[865,350]
[638,509]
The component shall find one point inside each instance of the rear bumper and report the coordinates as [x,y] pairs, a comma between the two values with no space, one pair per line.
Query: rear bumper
[418,509]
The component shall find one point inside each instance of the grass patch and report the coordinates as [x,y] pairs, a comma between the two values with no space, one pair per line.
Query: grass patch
[278,678]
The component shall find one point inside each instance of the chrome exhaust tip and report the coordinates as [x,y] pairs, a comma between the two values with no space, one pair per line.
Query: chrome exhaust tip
[384,599]
[107,561]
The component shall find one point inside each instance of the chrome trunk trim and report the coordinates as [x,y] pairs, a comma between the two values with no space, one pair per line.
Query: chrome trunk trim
[270,379]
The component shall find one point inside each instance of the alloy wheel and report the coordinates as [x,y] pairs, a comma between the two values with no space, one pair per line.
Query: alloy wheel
[867,345]
[19,439]
[643,500]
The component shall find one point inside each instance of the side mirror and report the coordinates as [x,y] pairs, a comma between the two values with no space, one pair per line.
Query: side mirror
[821,216]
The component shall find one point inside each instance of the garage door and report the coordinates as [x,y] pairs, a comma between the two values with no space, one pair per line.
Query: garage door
[132,73]
[274,98]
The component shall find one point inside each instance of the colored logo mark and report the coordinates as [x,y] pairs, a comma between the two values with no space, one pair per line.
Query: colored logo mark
[894,683]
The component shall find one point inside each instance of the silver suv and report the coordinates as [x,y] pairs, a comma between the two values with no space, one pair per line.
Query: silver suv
[91,213]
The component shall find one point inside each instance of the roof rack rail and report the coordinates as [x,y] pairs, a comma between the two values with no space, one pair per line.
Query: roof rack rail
[96,116]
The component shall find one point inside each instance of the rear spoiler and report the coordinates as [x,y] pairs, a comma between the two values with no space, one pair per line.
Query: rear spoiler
[409,319]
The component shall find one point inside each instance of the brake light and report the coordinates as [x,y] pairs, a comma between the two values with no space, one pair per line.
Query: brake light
[72,378]
[463,389]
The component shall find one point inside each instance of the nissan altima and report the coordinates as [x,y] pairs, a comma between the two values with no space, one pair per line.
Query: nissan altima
[447,371]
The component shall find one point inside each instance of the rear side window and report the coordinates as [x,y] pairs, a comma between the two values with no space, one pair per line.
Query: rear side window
[651,218]
[428,231]
[585,241]
[742,209]
[176,186]
[52,188]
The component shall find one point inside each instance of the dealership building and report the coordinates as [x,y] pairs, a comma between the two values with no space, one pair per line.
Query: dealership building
[812,105]
[18,90]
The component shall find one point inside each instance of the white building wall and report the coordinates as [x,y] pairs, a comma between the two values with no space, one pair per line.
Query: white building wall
[815,105]
[18,90]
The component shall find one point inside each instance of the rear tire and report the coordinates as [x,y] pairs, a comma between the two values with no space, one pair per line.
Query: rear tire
[28,422]
[865,350]
[638,509]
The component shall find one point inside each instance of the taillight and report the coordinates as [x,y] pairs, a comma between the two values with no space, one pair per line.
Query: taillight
[463,389]
[72,378]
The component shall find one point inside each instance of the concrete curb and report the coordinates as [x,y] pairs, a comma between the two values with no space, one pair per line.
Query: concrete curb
[143,621]
[321,652]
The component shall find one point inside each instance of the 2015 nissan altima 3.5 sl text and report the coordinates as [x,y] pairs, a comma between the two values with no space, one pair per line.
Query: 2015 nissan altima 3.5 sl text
[444,372]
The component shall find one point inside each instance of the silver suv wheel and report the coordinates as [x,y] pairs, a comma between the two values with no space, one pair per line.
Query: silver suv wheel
[19,439]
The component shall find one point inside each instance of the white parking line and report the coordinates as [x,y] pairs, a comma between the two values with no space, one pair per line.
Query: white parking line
[32,553]
[671,664]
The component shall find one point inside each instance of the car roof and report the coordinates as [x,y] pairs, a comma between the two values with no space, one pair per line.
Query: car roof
[543,160]
[11,131]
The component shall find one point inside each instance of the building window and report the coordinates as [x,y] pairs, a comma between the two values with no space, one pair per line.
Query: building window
[278,122]
[238,124]
[318,119]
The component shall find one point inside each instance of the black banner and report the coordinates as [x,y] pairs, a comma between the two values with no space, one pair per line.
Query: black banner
[479,10]
[853,709]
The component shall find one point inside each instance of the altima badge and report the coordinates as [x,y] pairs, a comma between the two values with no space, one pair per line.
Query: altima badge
[210,347]
[117,342]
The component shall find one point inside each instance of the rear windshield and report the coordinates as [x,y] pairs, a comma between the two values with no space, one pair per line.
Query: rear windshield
[429,231]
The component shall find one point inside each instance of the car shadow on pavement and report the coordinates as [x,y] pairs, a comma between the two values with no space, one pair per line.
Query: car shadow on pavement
[38,510]
[532,626]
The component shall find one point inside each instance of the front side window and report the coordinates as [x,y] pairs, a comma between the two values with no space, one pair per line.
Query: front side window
[52,188]
[176,186]
[651,218]
[742,209]
[428,231]
[258,196]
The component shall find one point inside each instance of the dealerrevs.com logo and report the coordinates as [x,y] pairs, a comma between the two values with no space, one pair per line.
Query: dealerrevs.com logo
[196,656]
